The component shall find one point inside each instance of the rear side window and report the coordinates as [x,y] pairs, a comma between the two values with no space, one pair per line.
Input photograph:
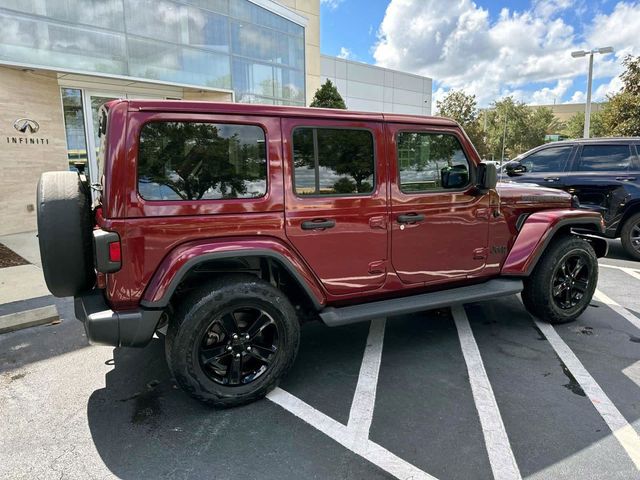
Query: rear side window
[201,161]
[332,161]
[601,158]
[431,161]
[547,160]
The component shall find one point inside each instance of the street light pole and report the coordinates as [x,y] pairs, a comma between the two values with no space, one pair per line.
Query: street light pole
[587,109]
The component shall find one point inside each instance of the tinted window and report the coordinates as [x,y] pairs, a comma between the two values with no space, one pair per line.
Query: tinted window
[333,161]
[430,161]
[201,161]
[595,158]
[547,160]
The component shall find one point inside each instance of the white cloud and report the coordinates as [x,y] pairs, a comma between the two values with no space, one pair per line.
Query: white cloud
[459,46]
[331,4]
[549,96]
[578,97]
[345,53]
[613,86]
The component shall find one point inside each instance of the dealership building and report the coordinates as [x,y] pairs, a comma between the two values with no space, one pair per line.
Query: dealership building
[60,60]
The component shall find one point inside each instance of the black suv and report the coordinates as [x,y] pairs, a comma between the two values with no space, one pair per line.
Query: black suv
[604,173]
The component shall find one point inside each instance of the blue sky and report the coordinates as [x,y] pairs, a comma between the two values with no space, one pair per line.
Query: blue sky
[487,47]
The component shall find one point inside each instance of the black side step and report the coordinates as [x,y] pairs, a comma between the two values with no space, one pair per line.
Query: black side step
[500,287]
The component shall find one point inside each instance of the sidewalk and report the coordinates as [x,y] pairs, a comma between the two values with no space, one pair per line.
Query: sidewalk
[24,298]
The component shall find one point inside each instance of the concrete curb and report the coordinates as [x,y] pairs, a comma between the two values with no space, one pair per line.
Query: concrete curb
[28,318]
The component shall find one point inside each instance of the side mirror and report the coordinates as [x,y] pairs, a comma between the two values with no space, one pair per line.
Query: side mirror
[455,176]
[514,169]
[487,176]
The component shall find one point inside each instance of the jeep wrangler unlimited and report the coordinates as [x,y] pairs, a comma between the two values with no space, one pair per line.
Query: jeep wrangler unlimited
[226,225]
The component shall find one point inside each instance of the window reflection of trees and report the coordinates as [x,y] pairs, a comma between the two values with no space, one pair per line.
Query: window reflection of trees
[345,161]
[424,159]
[200,161]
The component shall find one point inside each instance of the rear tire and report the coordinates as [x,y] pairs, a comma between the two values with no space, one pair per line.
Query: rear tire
[232,340]
[630,236]
[65,227]
[563,282]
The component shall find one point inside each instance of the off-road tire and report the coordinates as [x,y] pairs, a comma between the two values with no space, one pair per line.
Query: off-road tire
[193,316]
[65,226]
[537,294]
[625,236]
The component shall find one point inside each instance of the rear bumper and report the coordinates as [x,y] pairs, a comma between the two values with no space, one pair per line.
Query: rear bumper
[127,328]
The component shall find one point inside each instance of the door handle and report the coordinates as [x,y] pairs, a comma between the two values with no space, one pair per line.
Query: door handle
[318,224]
[626,179]
[551,179]
[411,218]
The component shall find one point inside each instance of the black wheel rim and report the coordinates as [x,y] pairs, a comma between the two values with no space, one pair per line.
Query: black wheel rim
[634,237]
[571,281]
[239,346]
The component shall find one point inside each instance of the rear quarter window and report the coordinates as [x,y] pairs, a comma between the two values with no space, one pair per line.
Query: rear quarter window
[201,161]
[603,158]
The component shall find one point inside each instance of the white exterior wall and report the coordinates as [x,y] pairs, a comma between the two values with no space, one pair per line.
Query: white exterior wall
[374,89]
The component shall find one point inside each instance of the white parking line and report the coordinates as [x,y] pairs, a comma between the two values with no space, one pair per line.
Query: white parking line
[624,433]
[634,272]
[364,399]
[355,435]
[368,450]
[501,458]
[616,307]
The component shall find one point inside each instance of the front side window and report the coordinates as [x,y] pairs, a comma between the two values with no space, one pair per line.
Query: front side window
[601,158]
[547,160]
[201,161]
[431,161]
[330,161]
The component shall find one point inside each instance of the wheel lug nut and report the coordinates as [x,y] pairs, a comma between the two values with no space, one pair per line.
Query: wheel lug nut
[235,336]
[247,336]
[237,355]
[229,347]
[249,348]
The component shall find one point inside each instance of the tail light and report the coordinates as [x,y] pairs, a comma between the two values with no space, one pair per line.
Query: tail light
[107,250]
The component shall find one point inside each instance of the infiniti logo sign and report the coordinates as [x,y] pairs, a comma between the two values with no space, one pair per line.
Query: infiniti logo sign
[25,125]
[29,128]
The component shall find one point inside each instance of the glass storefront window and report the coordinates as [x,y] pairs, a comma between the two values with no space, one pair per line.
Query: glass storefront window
[74,126]
[227,44]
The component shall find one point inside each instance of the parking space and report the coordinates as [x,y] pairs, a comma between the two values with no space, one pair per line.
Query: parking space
[473,393]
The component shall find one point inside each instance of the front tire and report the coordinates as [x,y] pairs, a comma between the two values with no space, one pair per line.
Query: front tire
[630,236]
[563,282]
[232,340]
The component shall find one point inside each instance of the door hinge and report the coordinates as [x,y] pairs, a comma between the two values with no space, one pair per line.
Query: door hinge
[480,253]
[378,222]
[483,213]
[376,268]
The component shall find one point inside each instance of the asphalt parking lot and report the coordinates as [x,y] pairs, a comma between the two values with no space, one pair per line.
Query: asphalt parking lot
[473,393]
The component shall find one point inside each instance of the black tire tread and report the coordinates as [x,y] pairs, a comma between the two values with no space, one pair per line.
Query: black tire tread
[625,236]
[65,227]
[219,290]
[536,296]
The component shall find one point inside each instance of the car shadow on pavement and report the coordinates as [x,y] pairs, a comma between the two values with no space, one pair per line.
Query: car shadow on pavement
[144,426]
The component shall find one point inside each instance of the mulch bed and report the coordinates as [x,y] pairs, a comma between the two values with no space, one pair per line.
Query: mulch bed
[9,258]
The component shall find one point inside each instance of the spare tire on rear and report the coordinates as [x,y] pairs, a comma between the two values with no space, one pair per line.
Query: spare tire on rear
[65,226]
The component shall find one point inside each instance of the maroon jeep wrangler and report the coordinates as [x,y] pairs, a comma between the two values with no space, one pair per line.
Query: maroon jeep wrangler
[227,225]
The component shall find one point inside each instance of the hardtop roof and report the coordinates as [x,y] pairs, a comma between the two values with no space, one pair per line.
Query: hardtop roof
[188,106]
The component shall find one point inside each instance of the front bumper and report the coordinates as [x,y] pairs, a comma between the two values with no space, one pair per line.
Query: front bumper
[126,328]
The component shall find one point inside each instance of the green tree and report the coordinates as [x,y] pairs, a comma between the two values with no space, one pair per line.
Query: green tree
[621,115]
[463,108]
[514,127]
[508,128]
[574,127]
[327,96]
